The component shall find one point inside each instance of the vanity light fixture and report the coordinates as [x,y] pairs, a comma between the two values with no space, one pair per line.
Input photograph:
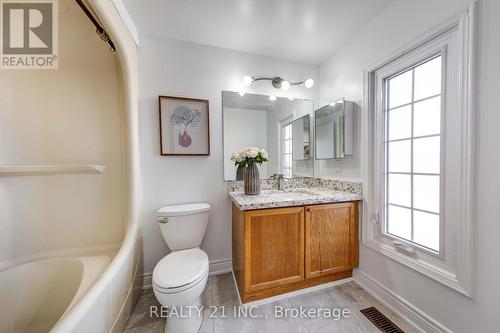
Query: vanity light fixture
[309,83]
[247,80]
[278,82]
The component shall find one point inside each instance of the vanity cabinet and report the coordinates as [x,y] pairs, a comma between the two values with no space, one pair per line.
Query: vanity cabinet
[331,239]
[278,250]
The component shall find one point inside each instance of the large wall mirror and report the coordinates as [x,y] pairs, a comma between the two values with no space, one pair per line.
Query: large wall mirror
[282,126]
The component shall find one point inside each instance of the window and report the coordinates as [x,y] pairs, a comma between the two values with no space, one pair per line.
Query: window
[412,116]
[286,150]
[417,151]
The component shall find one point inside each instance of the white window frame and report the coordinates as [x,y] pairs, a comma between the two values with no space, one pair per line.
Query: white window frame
[284,123]
[419,58]
[445,268]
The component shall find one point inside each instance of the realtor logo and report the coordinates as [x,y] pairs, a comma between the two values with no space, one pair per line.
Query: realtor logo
[29,34]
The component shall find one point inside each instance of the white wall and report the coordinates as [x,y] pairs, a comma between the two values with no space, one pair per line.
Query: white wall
[342,75]
[169,67]
[244,128]
[70,115]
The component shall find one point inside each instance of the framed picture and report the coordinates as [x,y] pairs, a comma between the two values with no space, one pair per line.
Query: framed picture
[184,126]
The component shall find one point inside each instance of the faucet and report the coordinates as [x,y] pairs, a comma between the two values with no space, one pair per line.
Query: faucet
[281,180]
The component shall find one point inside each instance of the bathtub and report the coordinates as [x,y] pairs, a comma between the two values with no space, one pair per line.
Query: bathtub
[83,291]
[35,305]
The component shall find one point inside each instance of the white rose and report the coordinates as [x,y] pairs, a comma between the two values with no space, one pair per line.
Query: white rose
[264,153]
[253,152]
[242,153]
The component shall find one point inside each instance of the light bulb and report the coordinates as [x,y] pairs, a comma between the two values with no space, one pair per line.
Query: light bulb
[333,103]
[290,98]
[285,85]
[242,93]
[247,80]
[309,83]
[272,98]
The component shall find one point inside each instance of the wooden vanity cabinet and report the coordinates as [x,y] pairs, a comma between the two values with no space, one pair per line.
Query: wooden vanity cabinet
[331,238]
[278,250]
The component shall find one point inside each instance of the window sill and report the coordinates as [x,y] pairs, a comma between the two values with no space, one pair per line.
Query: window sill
[435,272]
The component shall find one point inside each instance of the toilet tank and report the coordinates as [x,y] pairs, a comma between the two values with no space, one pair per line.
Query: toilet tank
[183,226]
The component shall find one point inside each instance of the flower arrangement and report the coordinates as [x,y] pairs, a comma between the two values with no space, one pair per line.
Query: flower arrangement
[249,154]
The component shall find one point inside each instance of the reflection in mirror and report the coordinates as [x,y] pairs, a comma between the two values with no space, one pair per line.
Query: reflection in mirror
[281,127]
[330,131]
[301,133]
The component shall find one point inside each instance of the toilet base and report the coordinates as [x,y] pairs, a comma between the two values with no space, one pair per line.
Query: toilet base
[185,319]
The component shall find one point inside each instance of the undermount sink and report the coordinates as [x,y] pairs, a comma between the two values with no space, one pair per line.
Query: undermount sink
[289,195]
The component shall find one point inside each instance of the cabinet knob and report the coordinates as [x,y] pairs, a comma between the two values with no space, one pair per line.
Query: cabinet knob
[308,209]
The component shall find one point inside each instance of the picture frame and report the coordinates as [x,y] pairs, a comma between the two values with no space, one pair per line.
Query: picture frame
[184,126]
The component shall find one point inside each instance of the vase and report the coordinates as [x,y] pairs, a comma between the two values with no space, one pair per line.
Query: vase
[240,172]
[184,139]
[252,179]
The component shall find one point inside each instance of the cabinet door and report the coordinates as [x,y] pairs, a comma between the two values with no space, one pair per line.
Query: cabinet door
[331,238]
[274,247]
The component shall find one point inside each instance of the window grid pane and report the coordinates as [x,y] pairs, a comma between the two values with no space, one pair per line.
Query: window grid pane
[286,155]
[421,165]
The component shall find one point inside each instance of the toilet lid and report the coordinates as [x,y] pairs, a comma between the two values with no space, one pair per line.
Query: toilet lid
[180,210]
[180,268]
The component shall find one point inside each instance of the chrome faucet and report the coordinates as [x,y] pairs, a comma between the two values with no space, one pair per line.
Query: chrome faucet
[281,180]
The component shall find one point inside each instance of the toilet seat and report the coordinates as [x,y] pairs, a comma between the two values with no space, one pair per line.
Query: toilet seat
[180,270]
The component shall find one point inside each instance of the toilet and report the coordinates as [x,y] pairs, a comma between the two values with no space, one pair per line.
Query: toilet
[181,276]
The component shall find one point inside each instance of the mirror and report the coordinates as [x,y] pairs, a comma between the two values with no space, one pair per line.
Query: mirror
[329,127]
[282,127]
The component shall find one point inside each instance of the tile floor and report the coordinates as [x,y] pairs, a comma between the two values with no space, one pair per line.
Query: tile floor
[221,292]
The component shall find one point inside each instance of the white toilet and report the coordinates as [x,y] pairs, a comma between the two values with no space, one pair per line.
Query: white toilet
[180,277]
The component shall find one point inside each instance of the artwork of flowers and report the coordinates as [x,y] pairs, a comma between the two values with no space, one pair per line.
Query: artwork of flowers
[184,126]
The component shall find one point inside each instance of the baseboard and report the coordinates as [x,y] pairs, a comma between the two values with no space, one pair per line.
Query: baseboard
[147,282]
[220,266]
[413,315]
[216,267]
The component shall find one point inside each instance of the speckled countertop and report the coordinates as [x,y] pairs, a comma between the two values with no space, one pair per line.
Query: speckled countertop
[291,197]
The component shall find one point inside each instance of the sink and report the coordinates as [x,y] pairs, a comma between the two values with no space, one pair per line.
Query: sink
[289,195]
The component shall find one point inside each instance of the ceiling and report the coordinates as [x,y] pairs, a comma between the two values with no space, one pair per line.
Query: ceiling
[304,31]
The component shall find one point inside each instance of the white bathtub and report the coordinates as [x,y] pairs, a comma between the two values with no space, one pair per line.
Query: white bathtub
[35,296]
[87,293]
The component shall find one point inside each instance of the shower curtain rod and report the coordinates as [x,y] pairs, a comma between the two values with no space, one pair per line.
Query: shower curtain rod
[99,29]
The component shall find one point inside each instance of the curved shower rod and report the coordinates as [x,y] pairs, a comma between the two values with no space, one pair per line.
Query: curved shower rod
[99,29]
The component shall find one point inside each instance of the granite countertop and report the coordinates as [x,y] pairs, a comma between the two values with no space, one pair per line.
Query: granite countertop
[291,197]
